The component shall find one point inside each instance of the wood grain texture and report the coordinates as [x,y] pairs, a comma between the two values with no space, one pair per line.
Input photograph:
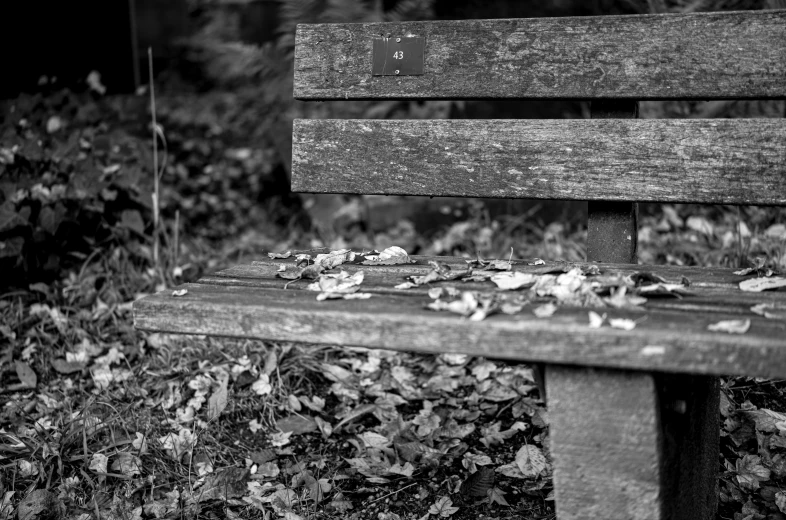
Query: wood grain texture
[630,445]
[669,56]
[713,161]
[605,442]
[668,341]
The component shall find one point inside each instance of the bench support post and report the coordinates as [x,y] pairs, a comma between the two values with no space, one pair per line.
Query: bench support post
[630,445]
[612,230]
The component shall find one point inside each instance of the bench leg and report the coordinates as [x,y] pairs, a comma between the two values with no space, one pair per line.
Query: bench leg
[633,445]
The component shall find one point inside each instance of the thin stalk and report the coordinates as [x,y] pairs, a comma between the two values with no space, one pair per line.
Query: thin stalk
[156,194]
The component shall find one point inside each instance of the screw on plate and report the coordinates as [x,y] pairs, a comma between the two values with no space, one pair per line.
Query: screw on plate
[398,40]
[397,72]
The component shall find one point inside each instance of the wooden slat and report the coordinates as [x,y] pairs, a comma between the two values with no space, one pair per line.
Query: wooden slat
[669,56]
[662,341]
[706,277]
[713,161]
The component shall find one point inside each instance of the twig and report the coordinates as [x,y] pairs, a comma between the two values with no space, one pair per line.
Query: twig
[392,493]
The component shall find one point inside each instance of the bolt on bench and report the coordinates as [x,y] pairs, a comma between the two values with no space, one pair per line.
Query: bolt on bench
[634,413]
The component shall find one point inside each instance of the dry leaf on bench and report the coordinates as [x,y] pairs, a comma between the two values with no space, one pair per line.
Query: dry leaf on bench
[730,326]
[280,255]
[334,258]
[762,284]
[391,256]
[339,286]
[545,311]
[464,306]
[512,280]
[622,323]
[596,320]
[181,292]
[773,311]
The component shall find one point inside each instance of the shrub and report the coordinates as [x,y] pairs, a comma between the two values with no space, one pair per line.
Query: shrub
[71,183]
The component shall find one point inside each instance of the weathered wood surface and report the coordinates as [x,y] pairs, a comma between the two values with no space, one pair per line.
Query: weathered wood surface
[706,277]
[667,56]
[604,444]
[612,227]
[711,161]
[621,451]
[674,341]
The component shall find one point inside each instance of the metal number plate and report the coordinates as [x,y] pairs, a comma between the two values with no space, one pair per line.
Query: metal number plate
[399,56]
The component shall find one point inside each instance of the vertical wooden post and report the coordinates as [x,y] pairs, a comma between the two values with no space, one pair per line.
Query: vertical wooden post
[630,445]
[612,233]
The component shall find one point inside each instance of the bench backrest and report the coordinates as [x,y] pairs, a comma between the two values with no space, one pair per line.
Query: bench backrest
[683,56]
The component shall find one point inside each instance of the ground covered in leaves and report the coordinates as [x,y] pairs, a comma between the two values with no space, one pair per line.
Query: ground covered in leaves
[101,421]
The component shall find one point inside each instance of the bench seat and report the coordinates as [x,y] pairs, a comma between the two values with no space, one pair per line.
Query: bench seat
[671,333]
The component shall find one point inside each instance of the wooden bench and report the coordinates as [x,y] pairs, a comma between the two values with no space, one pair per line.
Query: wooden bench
[633,413]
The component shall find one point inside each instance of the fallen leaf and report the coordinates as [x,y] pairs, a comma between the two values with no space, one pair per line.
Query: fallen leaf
[218,401]
[495,495]
[280,255]
[773,311]
[730,326]
[127,464]
[443,507]
[98,463]
[464,306]
[596,320]
[780,501]
[406,470]
[40,504]
[478,483]
[297,424]
[393,255]
[545,311]
[26,374]
[512,280]
[163,507]
[180,292]
[530,460]
[335,285]
[750,472]
[334,258]
[226,483]
[622,323]
[762,284]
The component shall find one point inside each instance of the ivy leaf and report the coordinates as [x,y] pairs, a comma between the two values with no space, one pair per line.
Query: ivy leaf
[443,507]
[495,494]
[750,472]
